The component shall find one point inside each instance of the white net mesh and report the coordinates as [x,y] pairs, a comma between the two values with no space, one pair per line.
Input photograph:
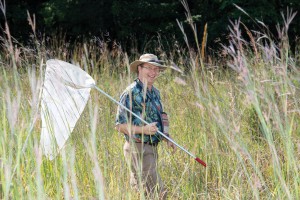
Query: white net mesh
[66,91]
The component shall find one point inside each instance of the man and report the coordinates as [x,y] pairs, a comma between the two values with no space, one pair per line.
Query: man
[140,148]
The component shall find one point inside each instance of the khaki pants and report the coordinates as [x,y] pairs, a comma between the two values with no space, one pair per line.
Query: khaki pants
[142,160]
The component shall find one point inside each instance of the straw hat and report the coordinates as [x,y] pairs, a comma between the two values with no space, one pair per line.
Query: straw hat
[147,58]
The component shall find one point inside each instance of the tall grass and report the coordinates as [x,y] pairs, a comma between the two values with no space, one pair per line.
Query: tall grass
[242,120]
[257,118]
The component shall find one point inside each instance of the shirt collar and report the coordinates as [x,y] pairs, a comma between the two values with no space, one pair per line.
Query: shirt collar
[141,85]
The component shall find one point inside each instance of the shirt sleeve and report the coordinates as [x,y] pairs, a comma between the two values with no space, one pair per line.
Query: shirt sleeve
[121,117]
[159,100]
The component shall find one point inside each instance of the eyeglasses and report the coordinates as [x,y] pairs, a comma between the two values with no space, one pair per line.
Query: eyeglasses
[156,70]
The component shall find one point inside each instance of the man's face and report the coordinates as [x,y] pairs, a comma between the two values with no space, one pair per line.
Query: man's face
[148,73]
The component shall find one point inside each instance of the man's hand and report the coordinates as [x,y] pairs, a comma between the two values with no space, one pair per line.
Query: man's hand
[150,129]
[171,145]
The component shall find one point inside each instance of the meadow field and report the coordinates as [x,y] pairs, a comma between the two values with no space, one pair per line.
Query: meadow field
[237,110]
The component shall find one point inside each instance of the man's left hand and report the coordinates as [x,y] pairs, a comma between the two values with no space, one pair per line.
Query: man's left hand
[171,145]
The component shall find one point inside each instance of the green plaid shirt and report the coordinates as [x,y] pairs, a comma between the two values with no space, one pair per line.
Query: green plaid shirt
[148,108]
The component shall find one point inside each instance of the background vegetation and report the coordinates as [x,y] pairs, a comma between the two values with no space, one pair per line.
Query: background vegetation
[238,111]
[133,23]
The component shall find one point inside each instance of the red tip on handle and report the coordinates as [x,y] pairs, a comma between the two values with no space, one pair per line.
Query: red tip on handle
[200,161]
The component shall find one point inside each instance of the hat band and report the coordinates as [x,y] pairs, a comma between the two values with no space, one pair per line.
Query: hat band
[156,61]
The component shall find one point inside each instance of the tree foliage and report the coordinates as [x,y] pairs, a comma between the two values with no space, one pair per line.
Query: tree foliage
[142,20]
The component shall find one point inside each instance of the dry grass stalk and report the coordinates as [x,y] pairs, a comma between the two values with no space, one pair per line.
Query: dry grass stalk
[204,40]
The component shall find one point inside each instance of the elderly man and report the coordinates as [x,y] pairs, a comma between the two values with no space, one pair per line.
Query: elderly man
[140,148]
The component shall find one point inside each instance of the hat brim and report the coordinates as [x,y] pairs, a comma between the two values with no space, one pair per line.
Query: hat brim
[134,65]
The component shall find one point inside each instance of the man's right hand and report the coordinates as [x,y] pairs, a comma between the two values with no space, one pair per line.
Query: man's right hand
[150,129]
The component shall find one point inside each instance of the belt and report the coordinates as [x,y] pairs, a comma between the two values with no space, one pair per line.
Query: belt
[152,144]
[149,142]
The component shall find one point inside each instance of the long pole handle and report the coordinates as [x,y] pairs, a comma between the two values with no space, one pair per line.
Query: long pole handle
[168,138]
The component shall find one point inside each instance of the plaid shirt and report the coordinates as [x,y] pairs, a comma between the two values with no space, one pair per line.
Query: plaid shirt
[148,108]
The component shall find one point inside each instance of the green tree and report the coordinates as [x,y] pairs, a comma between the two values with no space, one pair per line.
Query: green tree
[144,19]
[136,22]
[80,17]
